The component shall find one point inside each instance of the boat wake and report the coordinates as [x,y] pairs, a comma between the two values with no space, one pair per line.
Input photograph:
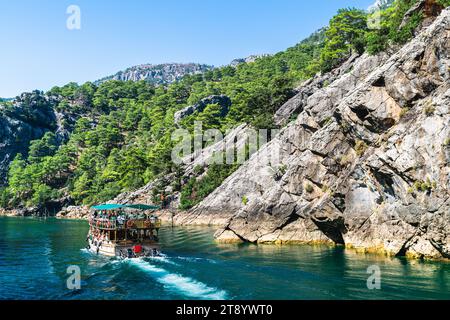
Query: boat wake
[163,258]
[194,259]
[184,285]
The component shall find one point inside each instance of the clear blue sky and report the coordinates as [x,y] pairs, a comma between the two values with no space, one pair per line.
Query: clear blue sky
[38,51]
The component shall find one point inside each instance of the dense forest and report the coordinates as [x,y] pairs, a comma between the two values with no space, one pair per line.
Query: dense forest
[122,136]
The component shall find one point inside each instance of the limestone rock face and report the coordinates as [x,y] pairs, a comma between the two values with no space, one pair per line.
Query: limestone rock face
[249,59]
[365,164]
[160,74]
[28,118]
[50,209]
[74,212]
[430,9]
[223,101]
[317,89]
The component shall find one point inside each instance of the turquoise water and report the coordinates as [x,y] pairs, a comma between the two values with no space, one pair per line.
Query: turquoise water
[35,254]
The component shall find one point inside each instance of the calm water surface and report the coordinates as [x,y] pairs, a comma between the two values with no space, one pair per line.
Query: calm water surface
[35,254]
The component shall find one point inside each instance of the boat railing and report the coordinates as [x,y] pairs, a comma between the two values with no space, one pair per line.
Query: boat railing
[114,224]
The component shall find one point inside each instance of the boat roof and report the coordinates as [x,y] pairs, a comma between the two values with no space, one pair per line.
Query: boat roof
[112,206]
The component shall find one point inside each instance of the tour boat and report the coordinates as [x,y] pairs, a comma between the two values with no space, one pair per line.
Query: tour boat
[125,231]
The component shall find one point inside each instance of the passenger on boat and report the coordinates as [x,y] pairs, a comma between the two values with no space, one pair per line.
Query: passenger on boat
[121,220]
[113,221]
[162,197]
[137,248]
[141,216]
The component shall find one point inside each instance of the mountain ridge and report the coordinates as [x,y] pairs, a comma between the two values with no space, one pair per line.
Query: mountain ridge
[158,74]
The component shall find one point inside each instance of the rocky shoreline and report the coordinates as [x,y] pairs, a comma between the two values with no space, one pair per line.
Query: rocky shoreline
[225,236]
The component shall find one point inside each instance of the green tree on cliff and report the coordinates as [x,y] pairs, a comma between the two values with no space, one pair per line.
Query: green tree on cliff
[345,34]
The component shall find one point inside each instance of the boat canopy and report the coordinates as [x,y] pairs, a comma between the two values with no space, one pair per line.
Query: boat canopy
[108,207]
[142,207]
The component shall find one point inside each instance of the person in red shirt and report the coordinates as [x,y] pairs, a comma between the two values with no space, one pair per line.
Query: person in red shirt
[137,249]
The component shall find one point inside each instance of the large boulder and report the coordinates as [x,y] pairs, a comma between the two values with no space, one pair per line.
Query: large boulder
[74,212]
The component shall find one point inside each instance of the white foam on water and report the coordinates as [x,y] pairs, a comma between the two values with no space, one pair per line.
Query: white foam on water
[185,285]
[194,259]
[163,258]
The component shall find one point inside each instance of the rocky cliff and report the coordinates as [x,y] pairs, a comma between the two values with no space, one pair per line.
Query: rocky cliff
[27,118]
[250,59]
[158,74]
[362,160]
[365,164]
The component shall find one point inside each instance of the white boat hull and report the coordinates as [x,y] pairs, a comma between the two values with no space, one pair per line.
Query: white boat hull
[111,249]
